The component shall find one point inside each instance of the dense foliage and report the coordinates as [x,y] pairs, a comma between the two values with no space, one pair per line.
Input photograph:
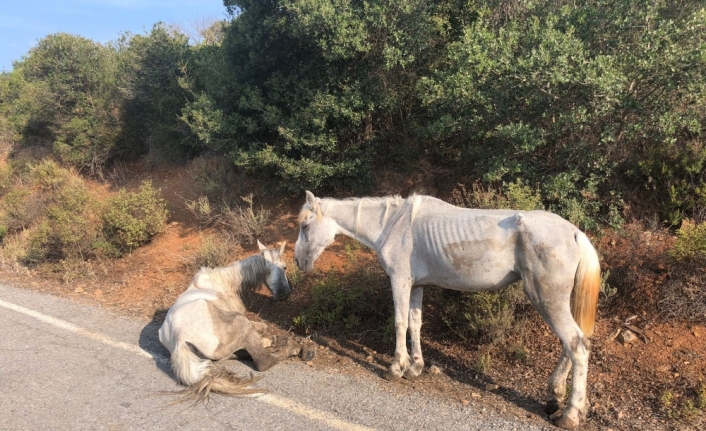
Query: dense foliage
[600,106]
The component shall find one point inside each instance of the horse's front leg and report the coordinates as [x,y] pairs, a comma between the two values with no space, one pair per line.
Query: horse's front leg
[400,296]
[415,327]
[263,359]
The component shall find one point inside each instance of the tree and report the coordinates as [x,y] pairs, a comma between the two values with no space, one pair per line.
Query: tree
[73,99]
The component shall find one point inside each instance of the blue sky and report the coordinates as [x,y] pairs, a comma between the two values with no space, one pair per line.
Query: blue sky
[23,23]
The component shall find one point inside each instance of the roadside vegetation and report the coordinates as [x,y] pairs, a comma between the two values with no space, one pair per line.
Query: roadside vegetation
[594,111]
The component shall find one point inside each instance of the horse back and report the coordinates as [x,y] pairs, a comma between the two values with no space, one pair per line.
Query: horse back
[471,249]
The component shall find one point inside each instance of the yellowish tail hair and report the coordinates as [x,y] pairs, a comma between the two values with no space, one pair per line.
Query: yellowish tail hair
[587,286]
[202,377]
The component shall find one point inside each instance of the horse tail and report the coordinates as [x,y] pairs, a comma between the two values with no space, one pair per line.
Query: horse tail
[202,377]
[587,285]
[188,367]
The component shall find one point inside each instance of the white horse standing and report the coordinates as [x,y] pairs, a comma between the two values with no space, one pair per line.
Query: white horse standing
[207,323]
[422,241]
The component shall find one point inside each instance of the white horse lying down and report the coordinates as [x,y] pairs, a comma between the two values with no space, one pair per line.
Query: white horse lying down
[207,323]
[422,241]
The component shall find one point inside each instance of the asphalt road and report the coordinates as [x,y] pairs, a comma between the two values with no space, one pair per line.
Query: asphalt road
[66,366]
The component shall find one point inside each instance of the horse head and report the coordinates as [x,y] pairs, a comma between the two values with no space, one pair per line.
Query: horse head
[276,279]
[316,232]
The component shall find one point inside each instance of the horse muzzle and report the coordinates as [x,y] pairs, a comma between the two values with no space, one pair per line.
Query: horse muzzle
[306,265]
[282,296]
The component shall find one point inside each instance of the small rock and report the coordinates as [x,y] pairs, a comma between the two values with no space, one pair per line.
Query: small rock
[308,353]
[476,395]
[266,342]
[664,368]
[369,358]
[627,337]
[465,402]
[310,363]
[434,370]
[491,387]
[79,290]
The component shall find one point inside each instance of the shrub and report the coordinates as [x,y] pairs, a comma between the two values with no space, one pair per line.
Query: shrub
[353,300]
[202,210]
[486,317]
[515,195]
[21,208]
[212,253]
[6,178]
[69,229]
[133,219]
[244,222]
[691,241]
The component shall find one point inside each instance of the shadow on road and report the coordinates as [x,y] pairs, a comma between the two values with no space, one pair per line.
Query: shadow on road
[149,342]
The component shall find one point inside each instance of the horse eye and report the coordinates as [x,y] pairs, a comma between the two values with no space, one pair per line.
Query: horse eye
[304,226]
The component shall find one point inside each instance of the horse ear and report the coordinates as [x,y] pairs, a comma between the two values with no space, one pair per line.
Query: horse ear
[311,200]
[262,247]
[281,249]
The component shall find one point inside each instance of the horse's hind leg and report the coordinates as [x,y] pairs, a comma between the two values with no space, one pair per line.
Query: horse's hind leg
[259,326]
[550,295]
[415,326]
[576,347]
[557,384]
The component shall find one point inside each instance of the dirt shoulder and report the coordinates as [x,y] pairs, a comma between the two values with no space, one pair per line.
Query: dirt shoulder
[652,382]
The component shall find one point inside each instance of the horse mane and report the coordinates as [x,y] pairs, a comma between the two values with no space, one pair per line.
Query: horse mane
[242,276]
[323,207]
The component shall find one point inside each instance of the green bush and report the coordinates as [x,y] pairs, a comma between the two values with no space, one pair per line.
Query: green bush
[21,208]
[244,222]
[212,253]
[485,317]
[691,241]
[69,228]
[133,219]
[517,196]
[6,178]
[351,301]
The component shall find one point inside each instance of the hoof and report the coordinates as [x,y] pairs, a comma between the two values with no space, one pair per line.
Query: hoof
[566,423]
[409,374]
[552,407]
[392,377]
[308,354]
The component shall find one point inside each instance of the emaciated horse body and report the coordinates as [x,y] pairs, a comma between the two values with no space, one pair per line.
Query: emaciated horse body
[207,323]
[422,241]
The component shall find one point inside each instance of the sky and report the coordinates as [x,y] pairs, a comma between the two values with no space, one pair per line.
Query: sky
[23,23]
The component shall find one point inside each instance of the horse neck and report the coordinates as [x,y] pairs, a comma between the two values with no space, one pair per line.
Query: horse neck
[246,275]
[363,218]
